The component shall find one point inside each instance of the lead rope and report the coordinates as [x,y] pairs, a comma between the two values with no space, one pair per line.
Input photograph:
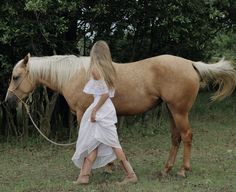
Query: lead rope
[33,122]
[41,133]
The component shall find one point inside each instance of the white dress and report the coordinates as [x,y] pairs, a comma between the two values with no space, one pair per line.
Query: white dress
[102,133]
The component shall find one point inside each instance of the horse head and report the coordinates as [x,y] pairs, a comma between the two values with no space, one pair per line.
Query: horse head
[20,84]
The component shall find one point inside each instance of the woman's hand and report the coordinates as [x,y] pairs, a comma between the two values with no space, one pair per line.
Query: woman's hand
[101,101]
[93,115]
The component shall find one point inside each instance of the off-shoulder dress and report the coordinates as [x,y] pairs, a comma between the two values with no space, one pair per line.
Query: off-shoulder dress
[102,133]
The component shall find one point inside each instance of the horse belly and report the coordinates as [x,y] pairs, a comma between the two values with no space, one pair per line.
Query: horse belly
[137,106]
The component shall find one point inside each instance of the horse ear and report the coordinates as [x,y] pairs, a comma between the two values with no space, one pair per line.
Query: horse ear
[26,59]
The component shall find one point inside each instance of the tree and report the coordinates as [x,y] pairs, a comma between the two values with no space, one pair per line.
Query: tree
[134,29]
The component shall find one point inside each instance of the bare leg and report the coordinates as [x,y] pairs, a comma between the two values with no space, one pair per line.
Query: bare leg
[86,168]
[119,154]
[130,176]
[110,165]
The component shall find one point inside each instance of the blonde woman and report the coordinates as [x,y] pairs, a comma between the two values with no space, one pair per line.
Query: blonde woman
[98,143]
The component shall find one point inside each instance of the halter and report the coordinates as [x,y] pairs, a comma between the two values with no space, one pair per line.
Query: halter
[31,118]
[13,90]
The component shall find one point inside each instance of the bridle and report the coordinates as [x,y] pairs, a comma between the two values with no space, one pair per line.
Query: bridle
[28,111]
[19,83]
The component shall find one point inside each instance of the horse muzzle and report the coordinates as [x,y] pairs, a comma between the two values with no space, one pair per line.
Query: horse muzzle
[11,99]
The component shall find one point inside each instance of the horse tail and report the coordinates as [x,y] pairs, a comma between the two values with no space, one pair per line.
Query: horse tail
[222,73]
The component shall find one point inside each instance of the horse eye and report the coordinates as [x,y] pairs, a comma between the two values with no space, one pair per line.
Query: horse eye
[15,78]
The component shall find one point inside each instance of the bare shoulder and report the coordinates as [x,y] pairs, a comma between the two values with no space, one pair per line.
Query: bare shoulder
[95,73]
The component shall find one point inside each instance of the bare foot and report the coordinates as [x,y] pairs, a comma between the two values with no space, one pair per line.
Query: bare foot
[82,180]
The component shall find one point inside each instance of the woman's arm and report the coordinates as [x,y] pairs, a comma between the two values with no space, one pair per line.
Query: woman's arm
[101,101]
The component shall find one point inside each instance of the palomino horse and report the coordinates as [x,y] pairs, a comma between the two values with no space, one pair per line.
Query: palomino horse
[140,86]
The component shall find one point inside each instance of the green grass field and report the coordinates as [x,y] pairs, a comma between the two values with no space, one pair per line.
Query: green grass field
[42,167]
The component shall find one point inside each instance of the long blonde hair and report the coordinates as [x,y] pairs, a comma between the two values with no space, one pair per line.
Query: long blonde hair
[101,60]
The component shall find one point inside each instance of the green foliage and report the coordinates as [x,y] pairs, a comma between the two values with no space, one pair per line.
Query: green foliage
[133,29]
[224,45]
[142,29]
[4,65]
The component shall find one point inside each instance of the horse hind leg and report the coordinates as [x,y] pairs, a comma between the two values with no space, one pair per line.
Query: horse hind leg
[182,124]
[175,140]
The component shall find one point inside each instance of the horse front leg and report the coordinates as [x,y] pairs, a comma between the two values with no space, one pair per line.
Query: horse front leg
[109,167]
[79,115]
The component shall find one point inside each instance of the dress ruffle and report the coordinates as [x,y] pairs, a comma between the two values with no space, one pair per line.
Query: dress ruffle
[98,87]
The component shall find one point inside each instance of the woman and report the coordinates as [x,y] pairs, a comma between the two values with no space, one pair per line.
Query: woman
[98,142]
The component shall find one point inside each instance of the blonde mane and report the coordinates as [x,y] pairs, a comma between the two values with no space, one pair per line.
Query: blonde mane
[58,69]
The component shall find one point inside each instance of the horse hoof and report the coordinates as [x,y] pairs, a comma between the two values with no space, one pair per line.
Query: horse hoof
[163,173]
[108,170]
[181,174]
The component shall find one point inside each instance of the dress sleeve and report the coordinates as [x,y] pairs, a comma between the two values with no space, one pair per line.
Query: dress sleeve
[96,87]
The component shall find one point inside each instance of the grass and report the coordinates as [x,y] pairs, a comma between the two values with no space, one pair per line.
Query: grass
[42,167]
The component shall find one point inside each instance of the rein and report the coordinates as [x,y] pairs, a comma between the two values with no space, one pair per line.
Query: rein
[32,120]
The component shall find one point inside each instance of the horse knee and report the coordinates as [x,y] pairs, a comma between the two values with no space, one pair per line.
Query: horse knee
[176,140]
[187,137]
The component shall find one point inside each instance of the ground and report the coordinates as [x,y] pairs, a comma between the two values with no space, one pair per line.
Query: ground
[42,167]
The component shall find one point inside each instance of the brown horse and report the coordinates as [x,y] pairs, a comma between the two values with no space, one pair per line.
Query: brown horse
[140,86]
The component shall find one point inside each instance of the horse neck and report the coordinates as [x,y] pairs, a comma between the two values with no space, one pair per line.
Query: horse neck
[49,84]
[55,71]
